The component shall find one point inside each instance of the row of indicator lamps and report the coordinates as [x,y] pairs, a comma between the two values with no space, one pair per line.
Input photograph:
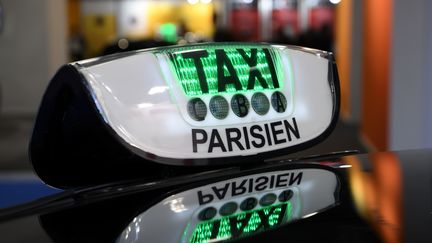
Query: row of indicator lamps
[219,106]
[247,204]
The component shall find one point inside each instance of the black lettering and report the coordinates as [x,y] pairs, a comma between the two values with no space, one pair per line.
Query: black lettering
[216,141]
[258,136]
[271,68]
[254,73]
[298,178]
[238,190]
[215,229]
[276,132]
[220,192]
[272,181]
[268,134]
[250,185]
[196,56]
[242,105]
[235,139]
[204,198]
[222,61]
[196,140]
[290,129]
[280,104]
[281,180]
[261,183]
[246,135]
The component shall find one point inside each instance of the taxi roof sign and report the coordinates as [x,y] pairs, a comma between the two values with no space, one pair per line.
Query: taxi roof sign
[205,104]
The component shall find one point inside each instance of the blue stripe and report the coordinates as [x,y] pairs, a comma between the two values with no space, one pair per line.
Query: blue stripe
[19,190]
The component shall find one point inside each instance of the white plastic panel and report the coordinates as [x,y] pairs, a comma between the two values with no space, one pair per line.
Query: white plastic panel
[140,98]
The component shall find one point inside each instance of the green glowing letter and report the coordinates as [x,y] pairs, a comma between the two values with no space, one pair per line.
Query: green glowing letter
[196,56]
[222,61]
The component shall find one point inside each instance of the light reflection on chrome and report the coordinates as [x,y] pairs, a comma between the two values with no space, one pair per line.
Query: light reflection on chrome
[309,215]
[157,90]
[176,205]
[144,105]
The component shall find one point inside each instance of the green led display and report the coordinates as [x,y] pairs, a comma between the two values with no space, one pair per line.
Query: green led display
[226,69]
[203,233]
[253,224]
[242,224]
[224,229]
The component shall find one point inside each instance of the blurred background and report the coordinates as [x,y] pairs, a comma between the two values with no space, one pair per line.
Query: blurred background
[383,50]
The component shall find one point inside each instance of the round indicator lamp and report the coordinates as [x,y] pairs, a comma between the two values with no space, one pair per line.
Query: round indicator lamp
[240,105]
[197,109]
[260,103]
[207,213]
[279,102]
[219,107]
[285,195]
[248,204]
[228,209]
[268,199]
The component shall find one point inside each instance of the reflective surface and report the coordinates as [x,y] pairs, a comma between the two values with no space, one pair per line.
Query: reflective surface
[385,197]
[392,192]
[192,216]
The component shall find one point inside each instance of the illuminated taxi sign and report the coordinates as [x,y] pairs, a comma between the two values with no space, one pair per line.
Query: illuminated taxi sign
[226,69]
[191,105]
[243,224]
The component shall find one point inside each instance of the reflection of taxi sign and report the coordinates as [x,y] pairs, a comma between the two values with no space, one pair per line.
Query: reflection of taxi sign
[237,207]
[188,105]
[243,224]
